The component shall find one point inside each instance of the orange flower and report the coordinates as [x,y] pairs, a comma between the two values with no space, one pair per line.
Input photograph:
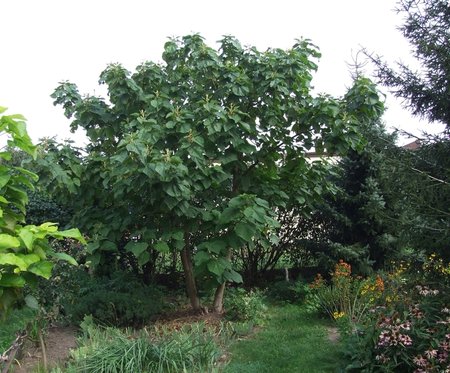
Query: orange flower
[379,283]
[342,269]
[318,282]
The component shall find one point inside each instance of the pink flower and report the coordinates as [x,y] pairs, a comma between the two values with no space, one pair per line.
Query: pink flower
[420,361]
[431,354]
[443,356]
[406,325]
[405,340]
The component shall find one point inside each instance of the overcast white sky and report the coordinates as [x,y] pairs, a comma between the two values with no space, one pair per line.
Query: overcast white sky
[44,42]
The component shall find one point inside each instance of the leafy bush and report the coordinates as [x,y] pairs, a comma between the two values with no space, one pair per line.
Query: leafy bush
[67,282]
[242,305]
[25,253]
[121,300]
[292,292]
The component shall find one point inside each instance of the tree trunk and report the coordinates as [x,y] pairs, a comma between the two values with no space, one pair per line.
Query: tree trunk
[218,295]
[218,298]
[191,287]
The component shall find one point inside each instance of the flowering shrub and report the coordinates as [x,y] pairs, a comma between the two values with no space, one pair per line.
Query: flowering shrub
[347,297]
[410,332]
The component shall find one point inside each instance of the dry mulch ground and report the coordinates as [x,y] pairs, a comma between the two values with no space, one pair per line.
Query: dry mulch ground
[59,341]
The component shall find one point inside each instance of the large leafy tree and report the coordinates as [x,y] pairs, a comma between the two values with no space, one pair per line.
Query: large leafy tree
[197,154]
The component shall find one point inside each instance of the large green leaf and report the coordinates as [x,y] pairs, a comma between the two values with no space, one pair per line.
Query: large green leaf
[233,276]
[63,256]
[70,233]
[32,302]
[14,260]
[27,237]
[137,248]
[216,267]
[228,215]
[4,179]
[143,258]
[245,231]
[12,280]
[162,247]
[201,257]
[215,246]
[7,241]
[107,245]
[42,269]
[29,259]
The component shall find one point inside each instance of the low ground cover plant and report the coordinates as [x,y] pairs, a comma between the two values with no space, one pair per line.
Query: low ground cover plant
[243,305]
[120,300]
[288,291]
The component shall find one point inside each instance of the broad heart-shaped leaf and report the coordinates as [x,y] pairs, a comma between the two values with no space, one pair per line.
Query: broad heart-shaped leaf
[245,231]
[49,226]
[14,260]
[4,178]
[27,237]
[32,302]
[215,246]
[233,276]
[12,280]
[42,268]
[63,256]
[216,267]
[7,241]
[162,247]
[107,245]
[91,247]
[70,233]
[137,248]
[29,259]
[143,258]
[201,257]
[228,215]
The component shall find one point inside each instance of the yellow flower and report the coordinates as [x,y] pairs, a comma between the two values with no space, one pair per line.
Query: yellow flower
[338,315]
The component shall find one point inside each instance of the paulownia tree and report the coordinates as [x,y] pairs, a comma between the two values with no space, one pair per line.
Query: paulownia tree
[198,153]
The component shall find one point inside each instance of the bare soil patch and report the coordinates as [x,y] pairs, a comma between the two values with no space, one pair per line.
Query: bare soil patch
[59,341]
[333,334]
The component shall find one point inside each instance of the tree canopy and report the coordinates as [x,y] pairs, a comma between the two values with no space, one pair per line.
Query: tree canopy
[196,154]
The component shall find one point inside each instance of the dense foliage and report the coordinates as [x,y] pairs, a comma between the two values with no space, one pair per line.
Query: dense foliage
[25,252]
[197,154]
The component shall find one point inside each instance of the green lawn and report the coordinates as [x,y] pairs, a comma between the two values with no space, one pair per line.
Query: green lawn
[292,341]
